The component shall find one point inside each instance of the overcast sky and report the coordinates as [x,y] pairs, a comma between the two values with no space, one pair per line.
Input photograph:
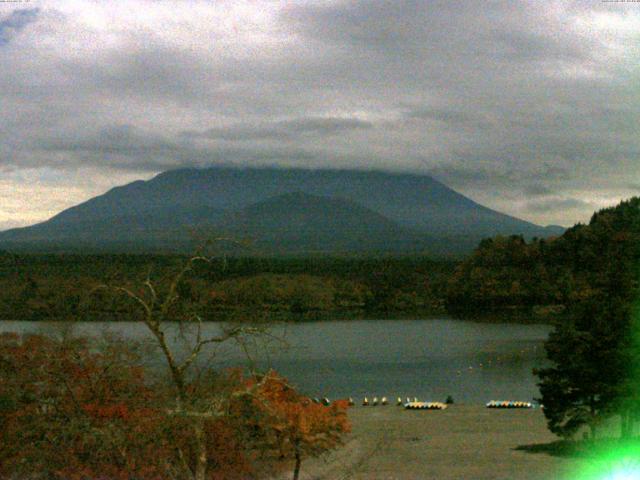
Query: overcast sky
[531,108]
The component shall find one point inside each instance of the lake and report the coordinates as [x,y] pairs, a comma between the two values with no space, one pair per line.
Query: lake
[428,359]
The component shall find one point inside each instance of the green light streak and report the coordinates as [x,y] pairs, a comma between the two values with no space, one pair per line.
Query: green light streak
[614,463]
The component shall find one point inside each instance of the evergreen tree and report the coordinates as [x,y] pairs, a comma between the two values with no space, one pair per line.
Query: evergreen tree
[594,352]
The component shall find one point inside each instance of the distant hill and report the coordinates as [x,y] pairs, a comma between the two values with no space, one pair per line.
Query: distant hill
[284,210]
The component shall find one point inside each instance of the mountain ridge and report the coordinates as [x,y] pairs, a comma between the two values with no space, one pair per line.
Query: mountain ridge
[415,204]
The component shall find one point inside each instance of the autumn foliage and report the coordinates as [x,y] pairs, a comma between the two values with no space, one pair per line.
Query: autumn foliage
[71,410]
[296,426]
[299,423]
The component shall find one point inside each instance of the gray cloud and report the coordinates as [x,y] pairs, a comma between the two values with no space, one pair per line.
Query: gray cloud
[16,21]
[127,147]
[517,104]
[284,129]
[118,140]
[537,189]
[560,203]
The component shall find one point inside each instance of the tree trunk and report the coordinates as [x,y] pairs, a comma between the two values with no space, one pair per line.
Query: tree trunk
[176,374]
[201,451]
[296,469]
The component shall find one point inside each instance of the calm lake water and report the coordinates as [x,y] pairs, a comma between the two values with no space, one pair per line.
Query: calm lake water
[429,359]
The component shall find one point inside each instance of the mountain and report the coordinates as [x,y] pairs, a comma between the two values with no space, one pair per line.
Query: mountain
[298,222]
[285,210]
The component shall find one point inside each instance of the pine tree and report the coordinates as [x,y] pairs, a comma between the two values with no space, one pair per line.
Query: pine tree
[594,353]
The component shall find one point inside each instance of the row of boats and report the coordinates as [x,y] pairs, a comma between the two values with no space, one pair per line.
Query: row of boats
[425,406]
[415,404]
[384,401]
[508,404]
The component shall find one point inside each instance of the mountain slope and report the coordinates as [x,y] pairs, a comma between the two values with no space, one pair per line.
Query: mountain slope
[158,211]
[297,222]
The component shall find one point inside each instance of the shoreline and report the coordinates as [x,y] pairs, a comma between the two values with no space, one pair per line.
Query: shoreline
[483,318]
[461,442]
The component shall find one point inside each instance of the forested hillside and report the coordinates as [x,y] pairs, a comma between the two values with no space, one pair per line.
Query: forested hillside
[59,287]
[545,275]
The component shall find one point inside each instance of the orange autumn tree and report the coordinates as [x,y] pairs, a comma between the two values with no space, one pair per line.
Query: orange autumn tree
[71,411]
[296,426]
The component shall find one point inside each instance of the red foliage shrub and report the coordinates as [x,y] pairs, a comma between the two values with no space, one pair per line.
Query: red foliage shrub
[73,412]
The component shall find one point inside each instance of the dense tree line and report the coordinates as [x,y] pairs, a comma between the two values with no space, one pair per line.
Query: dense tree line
[543,276]
[508,272]
[57,287]
[590,276]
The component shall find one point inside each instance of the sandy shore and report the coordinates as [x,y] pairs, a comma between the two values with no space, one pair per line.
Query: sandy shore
[462,442]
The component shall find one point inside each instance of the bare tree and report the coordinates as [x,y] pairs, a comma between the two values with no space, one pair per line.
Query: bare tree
[161,311]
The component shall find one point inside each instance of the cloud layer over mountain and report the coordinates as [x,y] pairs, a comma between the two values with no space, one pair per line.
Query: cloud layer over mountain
[528,107]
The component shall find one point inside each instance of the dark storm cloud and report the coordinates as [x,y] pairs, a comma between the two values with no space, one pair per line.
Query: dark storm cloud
[501,100]
[13,23]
